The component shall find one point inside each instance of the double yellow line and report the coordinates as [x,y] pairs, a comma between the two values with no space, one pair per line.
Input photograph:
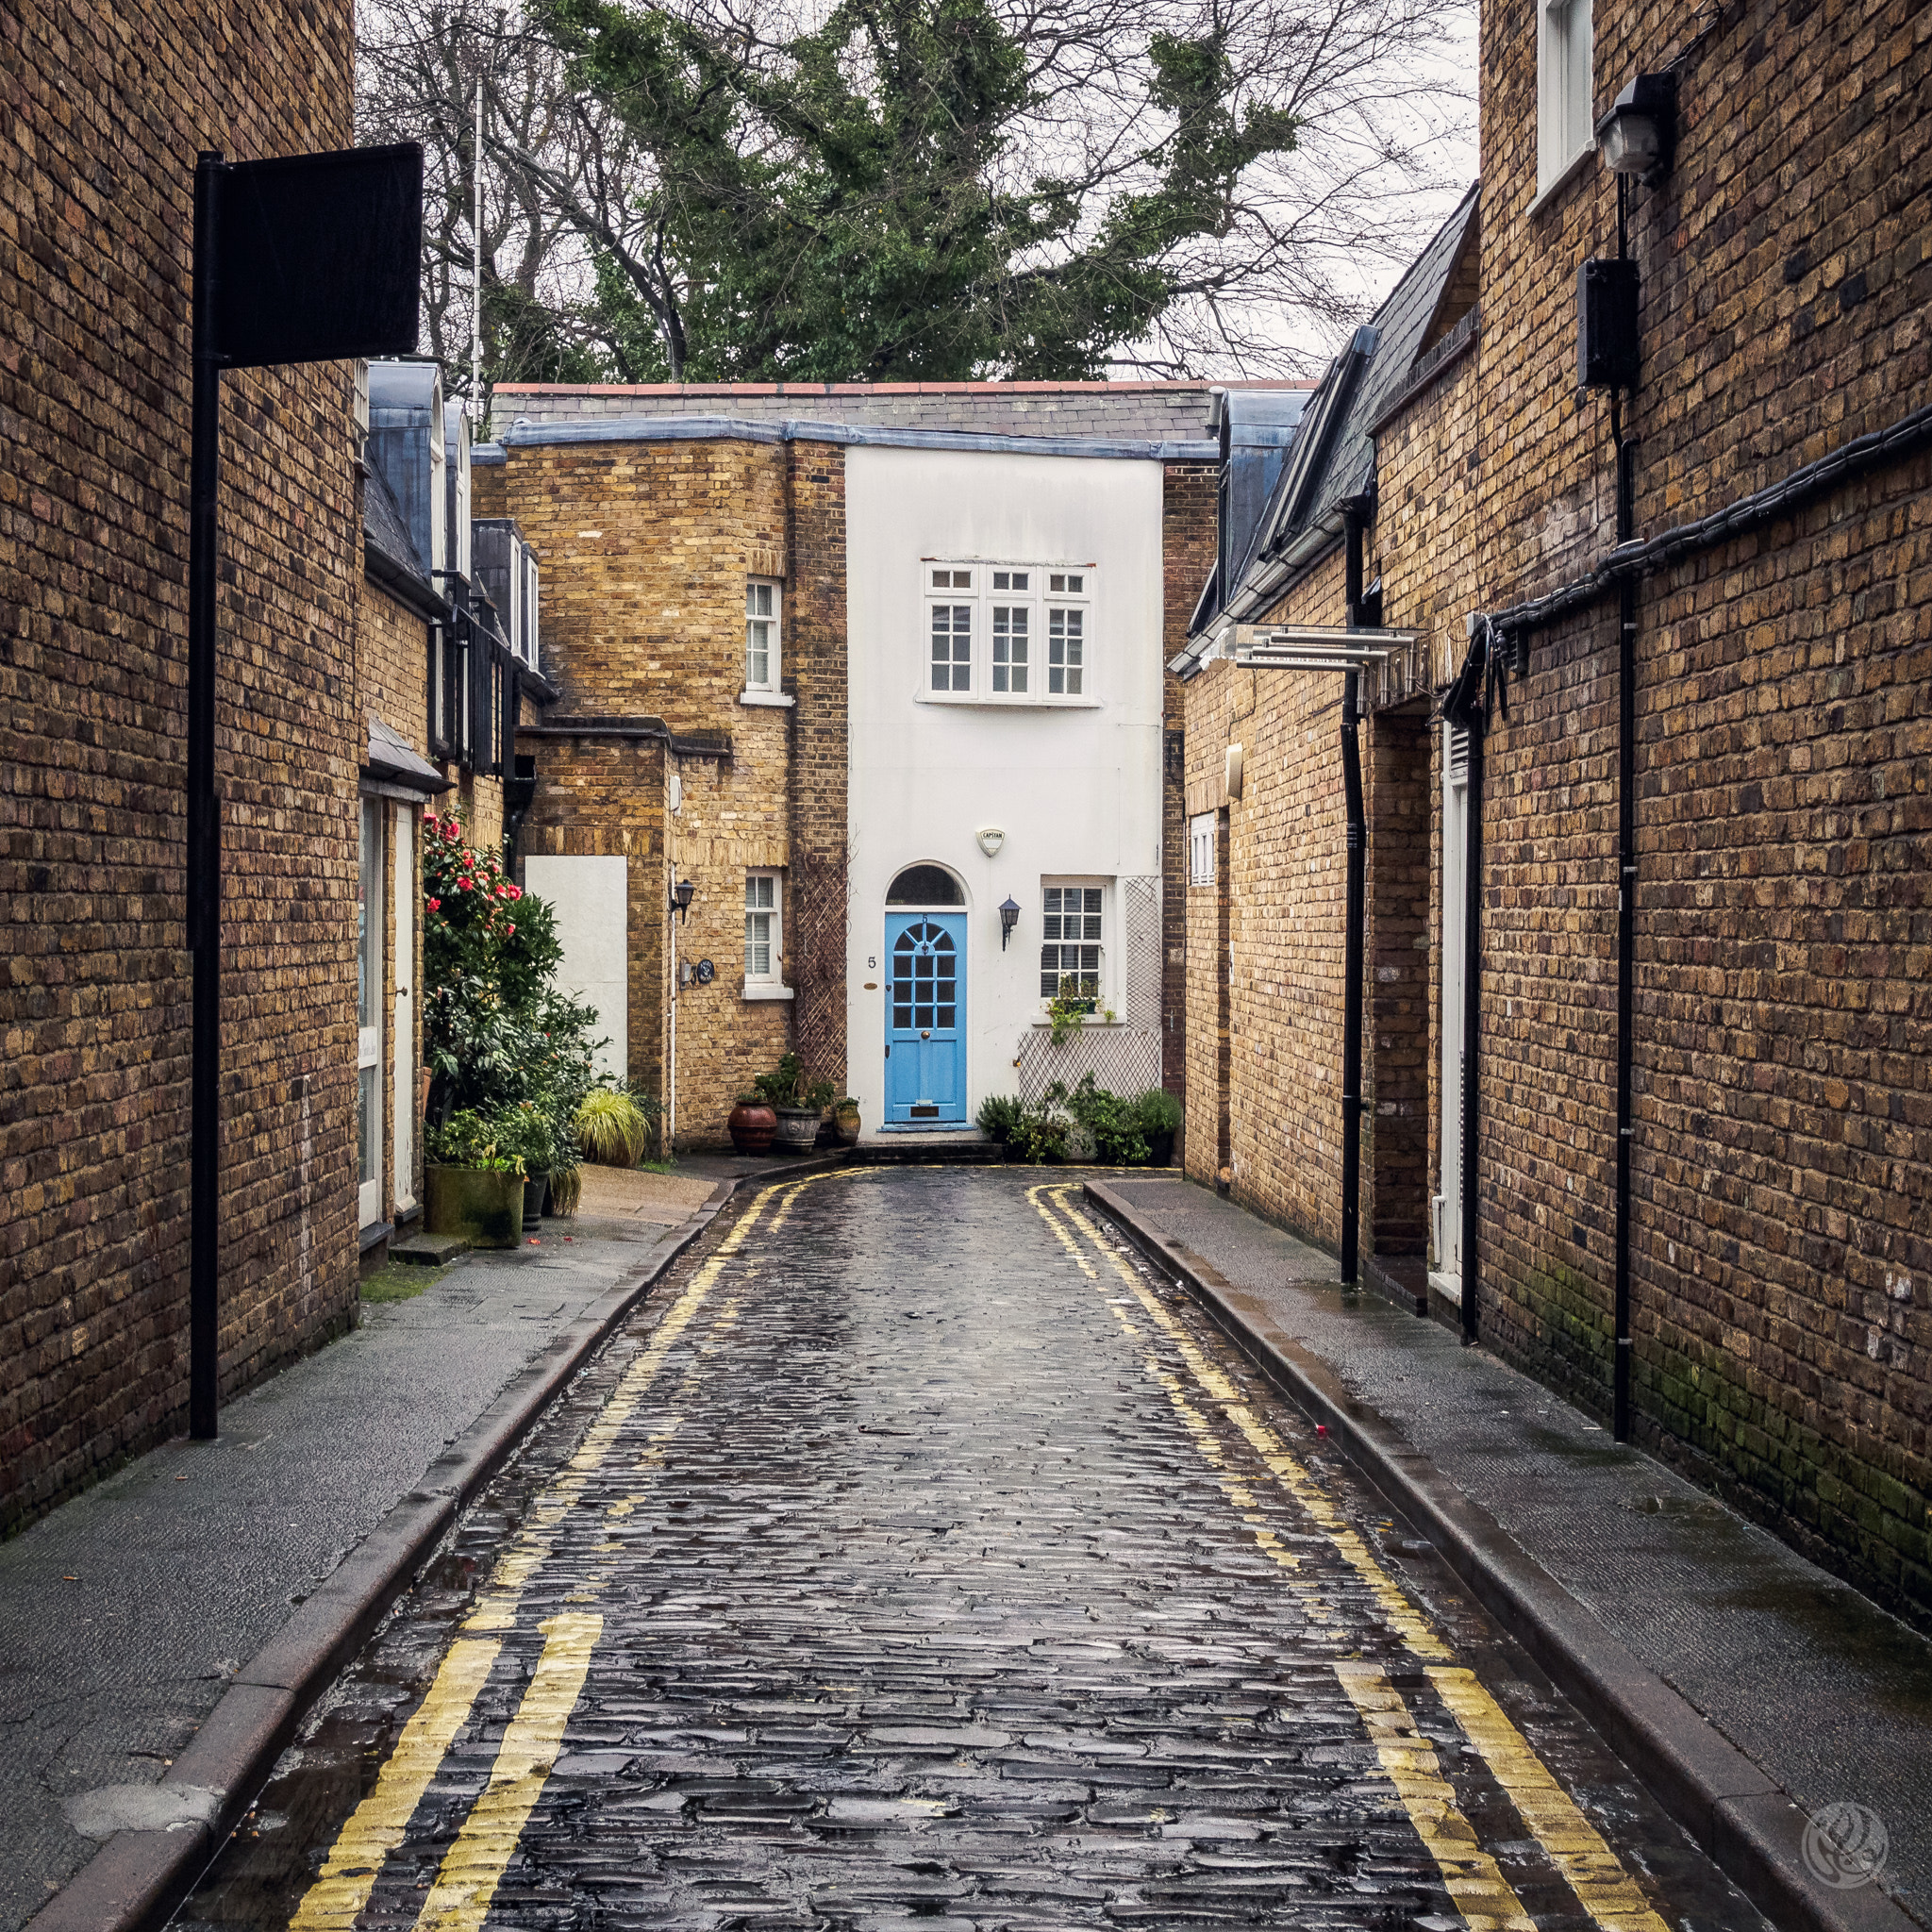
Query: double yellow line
[473,1866]
[1481,1893]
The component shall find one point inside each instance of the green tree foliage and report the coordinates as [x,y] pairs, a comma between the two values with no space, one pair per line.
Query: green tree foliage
[854,202]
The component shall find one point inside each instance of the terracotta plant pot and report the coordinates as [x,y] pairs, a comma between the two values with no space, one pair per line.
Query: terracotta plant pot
[752,1124]
[798,1128]
[483,1205]
[535,1187]
[845,1125]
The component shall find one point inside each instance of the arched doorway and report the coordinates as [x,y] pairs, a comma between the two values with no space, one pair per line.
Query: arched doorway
[925,999]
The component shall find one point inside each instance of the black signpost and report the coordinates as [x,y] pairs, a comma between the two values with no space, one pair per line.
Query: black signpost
[309,258]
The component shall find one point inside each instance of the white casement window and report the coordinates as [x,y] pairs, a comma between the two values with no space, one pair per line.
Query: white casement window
[764,938]
[1004,633]
[763,602]
[949,623]
[1073,946]
[1565,124]
[1010,630]
[1200,849]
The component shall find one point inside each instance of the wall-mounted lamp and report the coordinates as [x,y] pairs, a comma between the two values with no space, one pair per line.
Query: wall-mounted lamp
[1638,136]
[1010,918]
[681,895]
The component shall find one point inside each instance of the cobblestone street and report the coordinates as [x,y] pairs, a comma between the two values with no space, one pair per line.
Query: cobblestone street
[919,1558]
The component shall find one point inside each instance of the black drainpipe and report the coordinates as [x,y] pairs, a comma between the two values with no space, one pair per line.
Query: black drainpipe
[1353,513]
[1626,889]
[1473,722]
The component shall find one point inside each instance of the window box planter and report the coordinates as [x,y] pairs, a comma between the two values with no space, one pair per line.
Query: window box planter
[484,1204]
[798,1128]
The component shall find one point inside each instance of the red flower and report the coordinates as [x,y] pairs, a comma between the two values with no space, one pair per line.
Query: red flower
[434,905]
[510,929]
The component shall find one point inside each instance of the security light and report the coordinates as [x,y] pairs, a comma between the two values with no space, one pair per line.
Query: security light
[1638,136]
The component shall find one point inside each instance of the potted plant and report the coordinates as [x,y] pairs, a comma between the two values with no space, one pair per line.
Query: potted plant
[473,1183]
[1160,1122]
[999,1118]
[752,1122]
[845,1119]
[1067,1009]
[613,1126]
[526,1134]
[799,1105]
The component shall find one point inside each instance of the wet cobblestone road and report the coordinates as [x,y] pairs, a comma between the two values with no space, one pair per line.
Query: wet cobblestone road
[918,1559]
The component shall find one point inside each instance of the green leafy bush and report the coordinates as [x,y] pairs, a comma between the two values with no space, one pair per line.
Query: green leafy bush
[1159,1112]
[469,1138]
[1119,1137]
[787,1085]
[999,1116]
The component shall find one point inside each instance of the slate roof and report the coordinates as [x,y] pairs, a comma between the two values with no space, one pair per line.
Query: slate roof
[1153,412]
[390,756]
[1333,459]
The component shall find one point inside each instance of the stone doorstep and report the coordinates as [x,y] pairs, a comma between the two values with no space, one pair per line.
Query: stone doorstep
[428,1250]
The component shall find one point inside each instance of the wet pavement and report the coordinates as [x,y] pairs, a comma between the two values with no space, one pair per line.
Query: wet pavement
[917,1559]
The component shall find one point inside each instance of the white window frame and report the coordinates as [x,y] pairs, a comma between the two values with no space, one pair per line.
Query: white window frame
[371,948]
[990,673]
[1103,984]
[775,644]
[1565,116]
[1200,849]
[773,977]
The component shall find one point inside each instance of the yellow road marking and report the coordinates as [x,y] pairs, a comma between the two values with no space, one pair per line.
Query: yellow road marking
[1605,1891]
[1481,1893]
[1592,1870]
[473,1866]
[1402,1617]
[376,1825]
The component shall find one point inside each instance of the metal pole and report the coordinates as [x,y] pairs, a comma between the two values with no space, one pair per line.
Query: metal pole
[1472,1007]
[1354,918]
[204,821]
[1626,938]
[477,272]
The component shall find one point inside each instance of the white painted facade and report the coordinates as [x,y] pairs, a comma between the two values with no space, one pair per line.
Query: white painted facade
[589,894]
[1075,787]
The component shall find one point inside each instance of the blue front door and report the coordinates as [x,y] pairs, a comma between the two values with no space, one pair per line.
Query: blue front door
[925,1016]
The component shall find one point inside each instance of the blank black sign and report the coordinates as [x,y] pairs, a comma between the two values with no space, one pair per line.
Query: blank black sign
[319,258]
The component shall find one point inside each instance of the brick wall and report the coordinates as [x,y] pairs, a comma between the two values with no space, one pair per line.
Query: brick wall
[815,676]
[1188,532]
[1781,1272]
[106,108]
[645,548]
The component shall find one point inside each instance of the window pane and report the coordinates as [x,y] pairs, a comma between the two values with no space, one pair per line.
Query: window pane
[758,600]
[759,889]
[369,918]
[757,946]
[368,1126]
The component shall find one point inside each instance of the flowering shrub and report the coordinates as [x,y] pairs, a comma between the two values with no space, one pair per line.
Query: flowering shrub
[479,924]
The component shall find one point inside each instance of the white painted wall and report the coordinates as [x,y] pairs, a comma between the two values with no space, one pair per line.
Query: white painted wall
[1077,792]
[590,896]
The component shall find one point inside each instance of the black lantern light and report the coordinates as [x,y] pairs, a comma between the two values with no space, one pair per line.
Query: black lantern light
[1638,136]
[681,894]
[1010,918]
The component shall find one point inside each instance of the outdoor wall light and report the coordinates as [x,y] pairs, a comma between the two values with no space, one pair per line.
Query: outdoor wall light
[1638,136]
[681,896]
[1010,918]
